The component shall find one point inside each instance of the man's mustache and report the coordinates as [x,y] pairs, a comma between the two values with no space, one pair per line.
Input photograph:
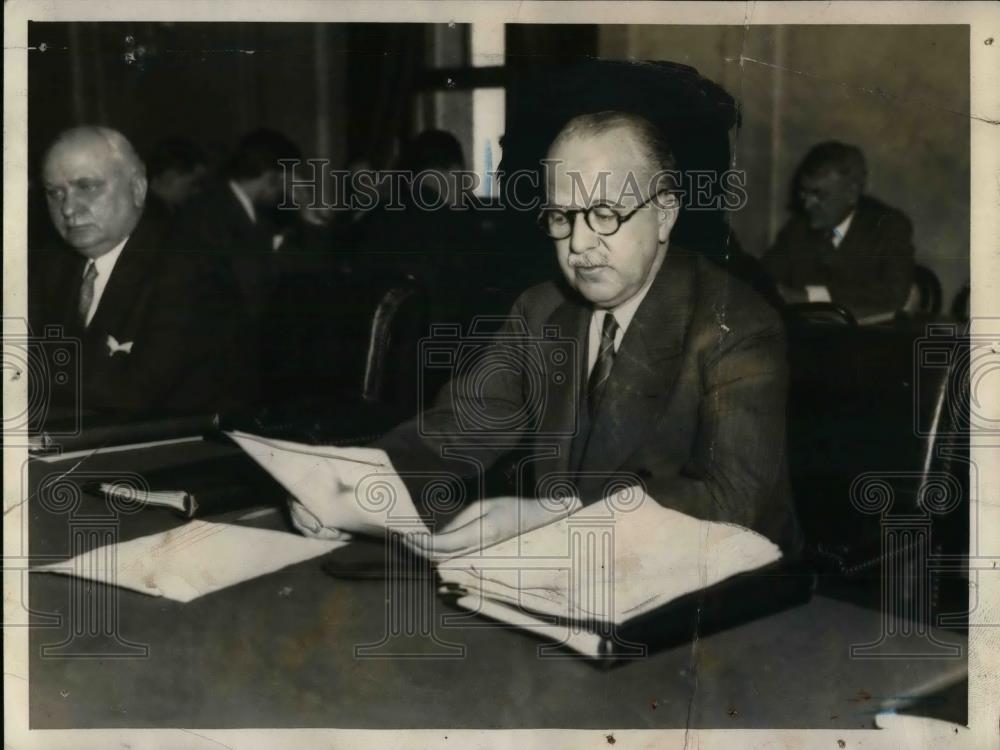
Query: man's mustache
[587,260]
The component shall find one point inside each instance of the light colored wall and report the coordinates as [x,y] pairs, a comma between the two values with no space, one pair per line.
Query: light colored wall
[901,93]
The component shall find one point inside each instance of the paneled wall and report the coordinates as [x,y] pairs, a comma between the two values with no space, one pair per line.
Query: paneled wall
[901,93]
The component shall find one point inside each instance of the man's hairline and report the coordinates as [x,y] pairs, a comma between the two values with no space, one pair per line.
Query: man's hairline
[131,167]
[642,154]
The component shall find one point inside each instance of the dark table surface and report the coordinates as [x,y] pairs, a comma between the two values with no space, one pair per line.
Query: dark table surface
[279,651]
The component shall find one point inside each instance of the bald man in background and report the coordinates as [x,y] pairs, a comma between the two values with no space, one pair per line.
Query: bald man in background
[156,330]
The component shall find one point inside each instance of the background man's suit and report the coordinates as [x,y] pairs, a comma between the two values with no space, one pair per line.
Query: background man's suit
[215,223]
[870,271]
[694,407]
[177,310]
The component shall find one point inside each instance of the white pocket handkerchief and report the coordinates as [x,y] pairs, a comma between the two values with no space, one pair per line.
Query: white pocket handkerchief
[114,347]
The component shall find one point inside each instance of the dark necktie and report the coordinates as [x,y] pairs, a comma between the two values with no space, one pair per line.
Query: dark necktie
[828,250]
[602,367]
[87,292]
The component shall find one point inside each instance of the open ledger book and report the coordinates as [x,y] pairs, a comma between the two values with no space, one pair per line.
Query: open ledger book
[601,571]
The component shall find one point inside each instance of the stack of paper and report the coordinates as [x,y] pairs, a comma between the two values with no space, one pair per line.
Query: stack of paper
[600,566]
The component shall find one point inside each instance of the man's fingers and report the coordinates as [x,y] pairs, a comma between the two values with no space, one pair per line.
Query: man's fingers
[460,522]
[303,518]
[449,544]
[309,525]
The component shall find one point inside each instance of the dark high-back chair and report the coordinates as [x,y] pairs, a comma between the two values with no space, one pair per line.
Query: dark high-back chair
[875,434]
[926,295]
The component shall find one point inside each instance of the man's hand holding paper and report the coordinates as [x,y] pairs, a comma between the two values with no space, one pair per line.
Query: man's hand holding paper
[334,490]
[491,521]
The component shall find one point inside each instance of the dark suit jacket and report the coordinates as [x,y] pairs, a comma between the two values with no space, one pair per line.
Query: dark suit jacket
[870,272]
[694,408]
[215,223]
[175,308]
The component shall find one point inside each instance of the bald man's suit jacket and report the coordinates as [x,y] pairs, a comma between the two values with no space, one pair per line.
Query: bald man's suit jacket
[173,312]
[694,409]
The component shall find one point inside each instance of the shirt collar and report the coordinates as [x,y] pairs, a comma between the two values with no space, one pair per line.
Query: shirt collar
[626,310]
[244,200]
[840,231]
[106,263]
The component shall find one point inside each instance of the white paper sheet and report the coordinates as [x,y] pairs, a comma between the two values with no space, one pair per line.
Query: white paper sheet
[192,560]
[351,489]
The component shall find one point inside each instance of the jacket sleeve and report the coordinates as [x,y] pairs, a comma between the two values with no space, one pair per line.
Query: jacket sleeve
[456,437]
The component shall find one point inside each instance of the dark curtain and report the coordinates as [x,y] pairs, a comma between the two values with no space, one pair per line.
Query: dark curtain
[383,63]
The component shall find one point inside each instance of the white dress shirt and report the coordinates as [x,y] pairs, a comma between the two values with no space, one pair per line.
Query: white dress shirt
[251,212]
[819,293]
[104,265]
[623,316]
[840,231]
[245,201]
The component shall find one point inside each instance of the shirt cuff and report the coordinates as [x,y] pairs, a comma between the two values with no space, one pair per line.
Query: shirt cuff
[818,294]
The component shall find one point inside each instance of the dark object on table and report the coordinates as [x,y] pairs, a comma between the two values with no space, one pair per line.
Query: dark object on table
[204,488]
[377,560]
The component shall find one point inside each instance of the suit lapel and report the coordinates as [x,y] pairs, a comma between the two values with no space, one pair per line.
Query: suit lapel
[115,308]
[645,369]
[560,421]
[65,290]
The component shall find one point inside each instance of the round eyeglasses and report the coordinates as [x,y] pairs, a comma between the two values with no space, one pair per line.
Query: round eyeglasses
[557,223]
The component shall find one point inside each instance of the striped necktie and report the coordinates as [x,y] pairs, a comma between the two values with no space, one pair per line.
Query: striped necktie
[87,292]
[602,367]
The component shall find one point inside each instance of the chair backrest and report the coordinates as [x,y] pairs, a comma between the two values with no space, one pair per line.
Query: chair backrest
[960,305]
[380,341]
[876,408]
[928,292]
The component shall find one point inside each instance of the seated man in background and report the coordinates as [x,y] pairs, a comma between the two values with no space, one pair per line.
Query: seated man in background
[842,246]
[235,221]
[176,171]
[673,374]
[235,218]
[424,218]
[155,328]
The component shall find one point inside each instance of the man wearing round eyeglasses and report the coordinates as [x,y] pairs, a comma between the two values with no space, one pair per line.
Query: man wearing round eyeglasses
[650,366]
[605,211]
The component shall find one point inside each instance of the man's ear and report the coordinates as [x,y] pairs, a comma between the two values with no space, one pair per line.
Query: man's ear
[139,185]
[667,210]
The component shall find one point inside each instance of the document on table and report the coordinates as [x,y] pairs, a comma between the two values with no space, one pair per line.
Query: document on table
[192,560]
